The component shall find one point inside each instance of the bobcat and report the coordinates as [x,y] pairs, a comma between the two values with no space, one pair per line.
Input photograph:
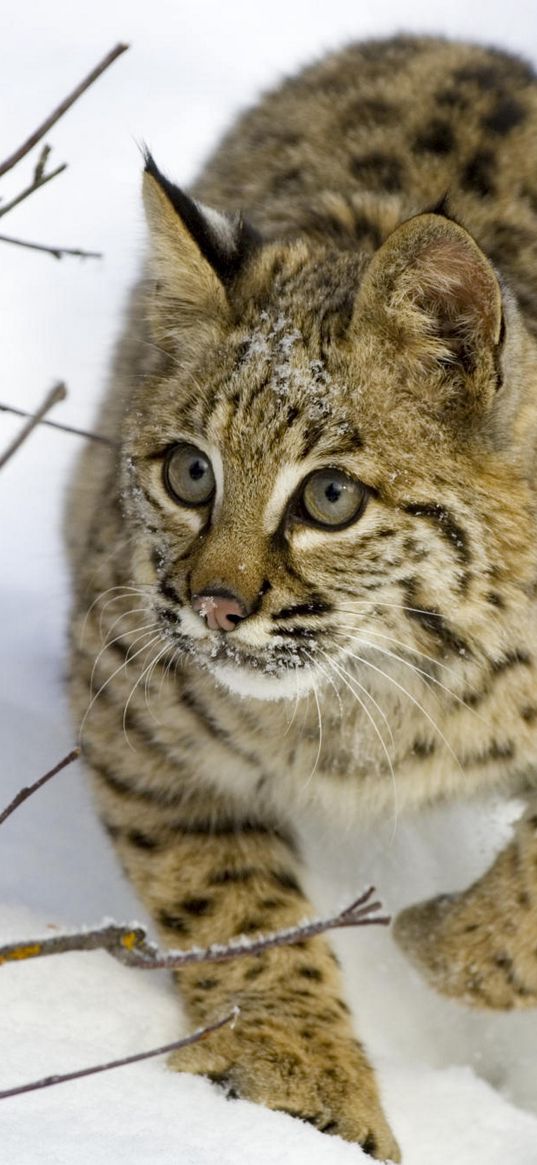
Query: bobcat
[306,564]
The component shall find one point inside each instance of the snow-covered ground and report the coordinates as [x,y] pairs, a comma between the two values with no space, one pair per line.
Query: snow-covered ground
[460,1088]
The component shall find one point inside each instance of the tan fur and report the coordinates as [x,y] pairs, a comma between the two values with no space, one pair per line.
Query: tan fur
[366,332]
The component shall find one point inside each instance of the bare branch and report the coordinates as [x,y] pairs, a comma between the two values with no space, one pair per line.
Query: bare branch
[57,113]
[42,160]
[201,1033]
[129,945]
[56,394]
[36,184]
[57,425]
[23,794]
[56,252]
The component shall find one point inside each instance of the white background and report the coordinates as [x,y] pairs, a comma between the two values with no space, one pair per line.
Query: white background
[459,1087]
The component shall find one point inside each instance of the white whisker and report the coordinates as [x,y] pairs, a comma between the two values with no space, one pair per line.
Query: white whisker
[409,696]
[126,661]
[349,682]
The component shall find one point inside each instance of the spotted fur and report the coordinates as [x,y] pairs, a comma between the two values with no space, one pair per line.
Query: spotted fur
[361,295]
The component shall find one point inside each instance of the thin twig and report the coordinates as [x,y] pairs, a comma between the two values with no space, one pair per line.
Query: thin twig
[61,109]
[56,394]
[56,252]
[42,160]
[35,185]
[129,944]
[201,1033]
[57,425]
[23,794]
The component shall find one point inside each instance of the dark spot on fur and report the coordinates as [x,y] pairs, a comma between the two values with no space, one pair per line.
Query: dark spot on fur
[452,99]
[173,922]
[495,600]
[477,175]
[369,1146]
[250,926]
[378,171]
[207,984]
[366,113]
[197,906]
[329,1127]
[423,748]
[142,840]
[227,876]
[514,658]
[287,182]
[314,607]
[311,973]
[286,880]
[444,521]
[436,138]
[486,77]
[365,229]
[529,713]
[506,114]
[253,972]
[433,622]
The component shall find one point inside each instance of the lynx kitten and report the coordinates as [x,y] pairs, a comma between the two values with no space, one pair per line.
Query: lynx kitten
[316,527]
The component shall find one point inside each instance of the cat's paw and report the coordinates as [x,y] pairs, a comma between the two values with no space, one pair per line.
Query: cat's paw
[322,1079]
[476,946]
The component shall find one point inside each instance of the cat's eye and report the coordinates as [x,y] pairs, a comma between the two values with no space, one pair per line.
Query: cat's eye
[188,475]
[330,498]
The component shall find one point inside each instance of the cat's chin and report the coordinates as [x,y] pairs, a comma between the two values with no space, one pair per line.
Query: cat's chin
[251,684]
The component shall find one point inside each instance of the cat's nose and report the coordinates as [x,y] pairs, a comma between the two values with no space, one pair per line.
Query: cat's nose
[221,609]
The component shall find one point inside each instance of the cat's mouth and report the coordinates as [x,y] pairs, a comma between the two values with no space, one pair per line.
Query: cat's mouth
[274,671]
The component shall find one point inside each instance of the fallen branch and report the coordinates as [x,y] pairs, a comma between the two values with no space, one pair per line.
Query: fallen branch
[62,108]
[56,394]
[56,252]
[57,424]
[23,794]
[129,944]
[201,1033]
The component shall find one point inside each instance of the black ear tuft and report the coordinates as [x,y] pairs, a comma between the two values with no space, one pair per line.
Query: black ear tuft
[224,240]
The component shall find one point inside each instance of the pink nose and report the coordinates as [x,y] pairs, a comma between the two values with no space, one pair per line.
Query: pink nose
[221,612]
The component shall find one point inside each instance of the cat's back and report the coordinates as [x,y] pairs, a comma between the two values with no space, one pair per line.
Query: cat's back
[384,129]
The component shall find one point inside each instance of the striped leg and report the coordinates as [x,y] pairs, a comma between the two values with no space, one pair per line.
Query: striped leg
[206,878]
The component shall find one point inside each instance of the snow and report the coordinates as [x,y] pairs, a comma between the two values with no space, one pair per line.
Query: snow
[459,1087]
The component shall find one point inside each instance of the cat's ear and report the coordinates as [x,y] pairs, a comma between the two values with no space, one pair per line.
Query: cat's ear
[196,254]
[437,297]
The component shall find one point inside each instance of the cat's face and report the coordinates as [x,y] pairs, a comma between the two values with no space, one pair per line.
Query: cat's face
[305,504]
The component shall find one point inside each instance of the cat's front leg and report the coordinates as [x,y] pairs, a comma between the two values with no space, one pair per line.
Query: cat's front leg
[293,1047]
[480,945]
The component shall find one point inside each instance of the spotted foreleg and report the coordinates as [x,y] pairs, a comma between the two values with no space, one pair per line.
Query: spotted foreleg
[480,945]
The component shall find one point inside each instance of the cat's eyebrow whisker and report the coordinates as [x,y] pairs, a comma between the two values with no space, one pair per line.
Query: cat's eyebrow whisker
[401,688]
[429,679]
